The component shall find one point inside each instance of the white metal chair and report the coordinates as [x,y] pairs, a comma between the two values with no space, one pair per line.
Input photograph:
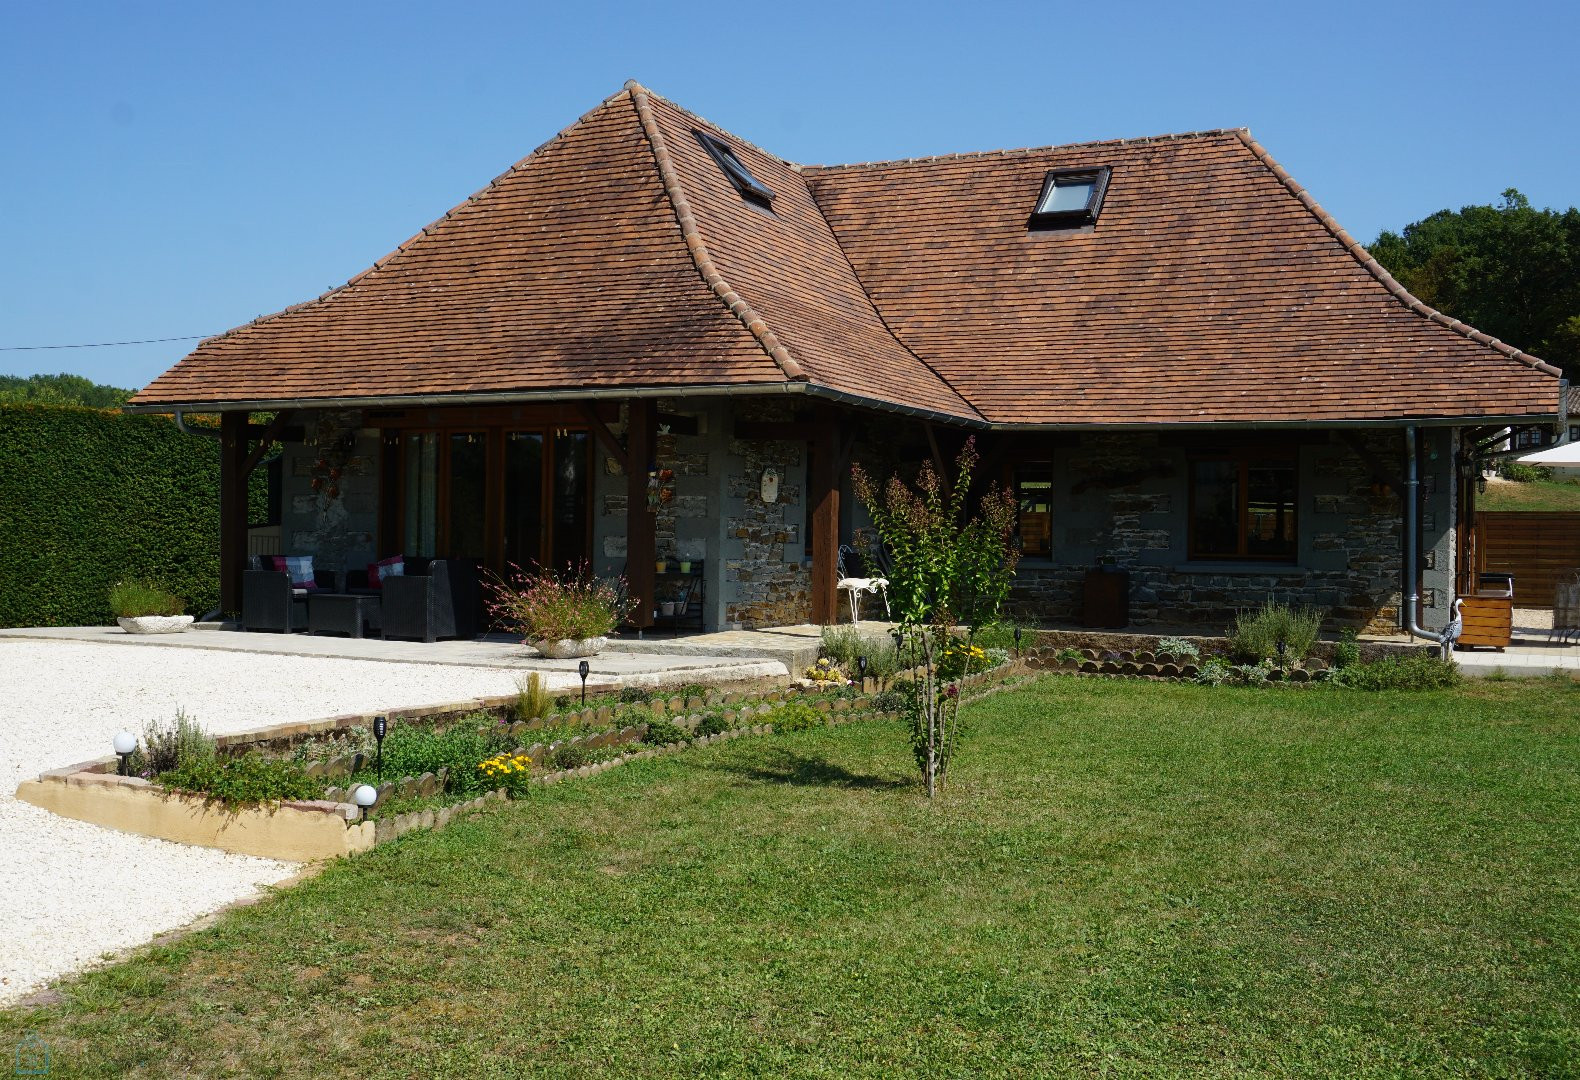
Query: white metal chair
[854,587]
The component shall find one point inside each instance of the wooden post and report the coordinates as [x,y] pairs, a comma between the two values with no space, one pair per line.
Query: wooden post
[232,508]
[641,544]
[824,506]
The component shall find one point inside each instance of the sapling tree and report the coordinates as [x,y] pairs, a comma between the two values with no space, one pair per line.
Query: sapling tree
[947,570]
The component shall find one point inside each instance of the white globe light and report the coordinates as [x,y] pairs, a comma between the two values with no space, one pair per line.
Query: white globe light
[125,742]
[364,795]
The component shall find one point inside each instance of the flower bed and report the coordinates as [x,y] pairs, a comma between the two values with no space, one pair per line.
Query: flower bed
[544,750]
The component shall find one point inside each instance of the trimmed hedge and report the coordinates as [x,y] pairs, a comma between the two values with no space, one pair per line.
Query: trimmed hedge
[88,497]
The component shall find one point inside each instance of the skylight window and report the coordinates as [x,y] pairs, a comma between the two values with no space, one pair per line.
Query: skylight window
[738,174]
[1070,198]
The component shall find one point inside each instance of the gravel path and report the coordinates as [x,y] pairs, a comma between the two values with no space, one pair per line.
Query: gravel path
[71,892]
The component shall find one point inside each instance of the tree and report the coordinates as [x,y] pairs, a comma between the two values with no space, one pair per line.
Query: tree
[1509,270]
[60,389]
[945,571]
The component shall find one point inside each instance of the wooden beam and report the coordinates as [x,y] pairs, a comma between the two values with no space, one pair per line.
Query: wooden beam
[606,437]
[266,439]
[232,509]
[824,517]
[641,542]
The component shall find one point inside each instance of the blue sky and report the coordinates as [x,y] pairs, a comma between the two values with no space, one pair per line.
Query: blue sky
[178,169]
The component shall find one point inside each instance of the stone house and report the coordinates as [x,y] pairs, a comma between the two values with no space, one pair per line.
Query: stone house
[651,340]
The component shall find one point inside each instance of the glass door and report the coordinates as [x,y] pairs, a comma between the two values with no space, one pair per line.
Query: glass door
[571,488]
[523,498]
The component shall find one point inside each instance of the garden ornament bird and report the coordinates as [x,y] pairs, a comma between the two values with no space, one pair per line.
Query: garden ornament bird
[1452,630]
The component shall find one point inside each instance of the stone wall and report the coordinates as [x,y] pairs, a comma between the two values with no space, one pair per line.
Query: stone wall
[1126,496]
[336,522]
[767,581]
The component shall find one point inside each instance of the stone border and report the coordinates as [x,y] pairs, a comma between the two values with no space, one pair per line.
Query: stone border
[315,829]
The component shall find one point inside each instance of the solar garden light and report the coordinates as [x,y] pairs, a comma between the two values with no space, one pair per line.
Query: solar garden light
[1017,641]
[899,639]
[125,745]
[380,726]
[582,669]
[365,795]
[1280,646]
[861,666]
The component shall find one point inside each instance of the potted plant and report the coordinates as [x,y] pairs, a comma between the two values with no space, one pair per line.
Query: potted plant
[141,607]
[560,615]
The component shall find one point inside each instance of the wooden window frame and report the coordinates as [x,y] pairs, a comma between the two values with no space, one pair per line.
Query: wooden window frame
[1243,458]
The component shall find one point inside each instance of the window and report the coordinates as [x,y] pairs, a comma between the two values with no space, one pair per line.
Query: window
[737,173]
[1531,438]
[1242,506]
[1034,522]
[1070,198]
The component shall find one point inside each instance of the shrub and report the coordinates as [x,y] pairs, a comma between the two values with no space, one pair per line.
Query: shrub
[570,756]
[89,495]
[1215,672]
[1522,473]
[1179,648]
[635,695]
[1256,634]
[244,780]
[894,699]
[713,724]
[135,598]
[695,689]
[532,700]
[167,747]
[1416,671]
[999,635]
[1346,651]
[550,606]
[663,732]
[411,750]
[844,646]
[794,716]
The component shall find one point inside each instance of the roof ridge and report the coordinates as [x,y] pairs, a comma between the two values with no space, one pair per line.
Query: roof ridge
[1358,252]
[635,87]
[754,323]
[381,262]
[1016,151]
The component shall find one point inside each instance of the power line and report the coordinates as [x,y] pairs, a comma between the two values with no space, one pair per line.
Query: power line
[102,344]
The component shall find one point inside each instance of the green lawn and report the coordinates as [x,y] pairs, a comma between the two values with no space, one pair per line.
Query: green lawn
[1125,879]
[1561,495]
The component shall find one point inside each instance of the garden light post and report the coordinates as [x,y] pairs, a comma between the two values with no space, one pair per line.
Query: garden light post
[380,726]
[364,795]
[861,666]
[582,669]
[125,744]
[1017,642]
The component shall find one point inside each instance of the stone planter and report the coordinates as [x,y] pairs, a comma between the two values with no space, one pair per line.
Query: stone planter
[155,624]
[570,649]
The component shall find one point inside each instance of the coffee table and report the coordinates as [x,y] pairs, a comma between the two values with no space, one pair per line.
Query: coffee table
[340,613]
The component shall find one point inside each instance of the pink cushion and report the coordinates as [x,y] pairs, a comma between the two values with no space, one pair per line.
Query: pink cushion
[300,567]
[394,566]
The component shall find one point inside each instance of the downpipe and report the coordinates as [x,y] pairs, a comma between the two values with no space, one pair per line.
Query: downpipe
[1412,511]
[181,426]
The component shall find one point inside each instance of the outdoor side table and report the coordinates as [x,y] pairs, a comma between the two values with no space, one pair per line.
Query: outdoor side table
[338,613]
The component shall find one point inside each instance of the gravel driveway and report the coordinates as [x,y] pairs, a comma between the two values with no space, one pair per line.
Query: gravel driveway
[71,892]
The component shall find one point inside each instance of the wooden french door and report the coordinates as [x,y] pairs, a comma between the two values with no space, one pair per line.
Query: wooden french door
[496,496]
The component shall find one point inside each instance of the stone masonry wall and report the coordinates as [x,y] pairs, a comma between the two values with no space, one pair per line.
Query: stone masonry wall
[1127,496]
[339,532]
[765,577]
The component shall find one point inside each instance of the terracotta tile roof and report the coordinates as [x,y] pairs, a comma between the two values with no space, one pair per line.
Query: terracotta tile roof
[542,280]
[1212,288]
